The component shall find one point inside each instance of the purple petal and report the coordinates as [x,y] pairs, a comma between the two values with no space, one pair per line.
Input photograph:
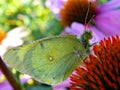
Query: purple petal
[55,5]
[65,83]
[97,35]
[62,85]
[113,4]
[77,28]
[109,22]
[24,78]
[5,86]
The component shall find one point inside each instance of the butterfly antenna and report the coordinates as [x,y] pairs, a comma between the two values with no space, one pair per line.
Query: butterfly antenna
[88,9]
[86,35]
[91,18]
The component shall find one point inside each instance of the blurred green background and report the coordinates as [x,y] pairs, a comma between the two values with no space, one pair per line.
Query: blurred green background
[32,14]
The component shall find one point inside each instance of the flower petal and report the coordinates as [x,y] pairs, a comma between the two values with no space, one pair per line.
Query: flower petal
[77,28]
[96,35]
[113,4]
[62,85]
[55,5]
[109,22]
[5,86]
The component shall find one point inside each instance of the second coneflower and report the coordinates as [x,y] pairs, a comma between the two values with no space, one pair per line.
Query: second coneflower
[102,70]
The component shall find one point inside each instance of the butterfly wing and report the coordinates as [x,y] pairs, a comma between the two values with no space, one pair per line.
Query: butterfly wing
[49,60]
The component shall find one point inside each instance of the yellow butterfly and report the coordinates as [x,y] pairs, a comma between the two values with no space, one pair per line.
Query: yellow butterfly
[50,60]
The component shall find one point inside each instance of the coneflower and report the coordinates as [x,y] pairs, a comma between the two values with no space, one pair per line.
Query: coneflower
[101,71]
[80,11]
[104,17]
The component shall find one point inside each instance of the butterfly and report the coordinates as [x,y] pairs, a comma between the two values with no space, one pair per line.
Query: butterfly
[50,60]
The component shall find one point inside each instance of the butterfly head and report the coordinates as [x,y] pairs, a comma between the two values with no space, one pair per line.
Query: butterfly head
[84,39]
[87,34]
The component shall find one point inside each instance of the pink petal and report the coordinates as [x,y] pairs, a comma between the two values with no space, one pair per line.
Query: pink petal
[109,22]
[66,83]
[62,85]
[110,5]
[75,29]
[5,86]
[55,5]
[97,35]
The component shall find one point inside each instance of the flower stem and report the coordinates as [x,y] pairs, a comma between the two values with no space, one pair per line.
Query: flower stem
[10,77]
